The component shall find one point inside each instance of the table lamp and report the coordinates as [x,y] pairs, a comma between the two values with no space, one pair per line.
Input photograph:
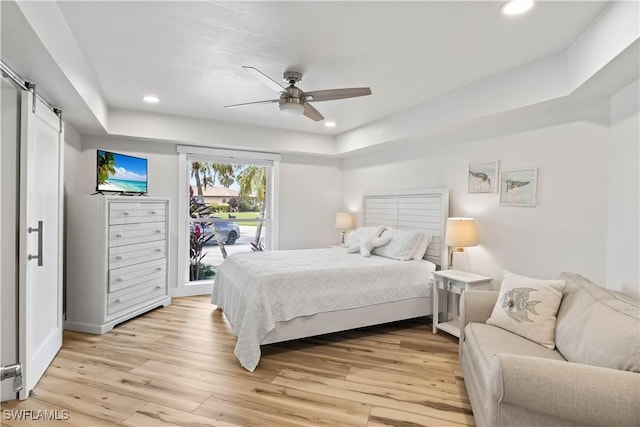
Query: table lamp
[344,221]
[461,233]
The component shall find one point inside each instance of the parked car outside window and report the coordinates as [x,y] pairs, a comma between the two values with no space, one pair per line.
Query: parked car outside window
[229,231]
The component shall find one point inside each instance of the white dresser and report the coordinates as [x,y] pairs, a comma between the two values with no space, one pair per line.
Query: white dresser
[116,259]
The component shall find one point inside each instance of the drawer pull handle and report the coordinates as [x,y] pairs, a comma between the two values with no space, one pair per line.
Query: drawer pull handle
[117,301]
[119,257]
[153,212]
[119,279]
[158,287]
[158,250]
[158,231]
[158,268]
[119,235]
[126,213]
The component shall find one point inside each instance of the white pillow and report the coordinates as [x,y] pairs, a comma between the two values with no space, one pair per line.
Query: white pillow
[369,244]
[402,246]
[528,307]
[422,247]
[353,249]
[361,233]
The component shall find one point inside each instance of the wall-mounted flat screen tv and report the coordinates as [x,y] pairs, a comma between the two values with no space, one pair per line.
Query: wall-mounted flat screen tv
[120,173]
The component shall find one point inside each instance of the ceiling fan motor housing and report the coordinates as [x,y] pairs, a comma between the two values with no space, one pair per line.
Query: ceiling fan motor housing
[292,77]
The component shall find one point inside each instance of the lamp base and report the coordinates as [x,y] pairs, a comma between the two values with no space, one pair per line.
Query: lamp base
[342,239]
[462,258]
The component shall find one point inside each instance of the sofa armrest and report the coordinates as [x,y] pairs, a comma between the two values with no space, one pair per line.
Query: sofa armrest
[476,306]
[574,392]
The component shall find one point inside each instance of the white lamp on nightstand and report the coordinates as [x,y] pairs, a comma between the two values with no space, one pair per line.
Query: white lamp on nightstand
[461,233]
[344,221]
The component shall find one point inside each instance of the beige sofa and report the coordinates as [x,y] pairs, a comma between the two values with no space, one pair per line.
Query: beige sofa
[591,378]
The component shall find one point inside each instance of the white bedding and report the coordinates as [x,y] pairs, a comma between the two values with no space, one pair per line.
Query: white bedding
[257,289]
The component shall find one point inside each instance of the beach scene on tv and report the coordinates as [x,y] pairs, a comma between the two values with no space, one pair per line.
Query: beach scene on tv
[117,172]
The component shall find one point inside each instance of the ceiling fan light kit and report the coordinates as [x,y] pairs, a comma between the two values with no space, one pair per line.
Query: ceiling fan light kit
[293,101]
[292,106]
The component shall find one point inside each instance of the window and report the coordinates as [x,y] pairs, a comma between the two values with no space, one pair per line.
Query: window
[227,193]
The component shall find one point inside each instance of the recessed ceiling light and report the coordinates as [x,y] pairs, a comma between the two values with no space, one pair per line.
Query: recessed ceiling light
[516,7]
[330,124]
[151,99]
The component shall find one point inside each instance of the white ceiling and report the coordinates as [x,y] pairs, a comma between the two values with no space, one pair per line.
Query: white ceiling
[190,53]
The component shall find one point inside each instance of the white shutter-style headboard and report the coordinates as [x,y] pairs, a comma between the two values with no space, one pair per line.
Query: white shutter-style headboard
[424,210]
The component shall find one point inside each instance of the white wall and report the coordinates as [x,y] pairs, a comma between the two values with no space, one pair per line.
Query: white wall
[586,173]
[72,160]
[162,173]
[310,197]
[214,134]
[310,192]
[623,231]
[566,231]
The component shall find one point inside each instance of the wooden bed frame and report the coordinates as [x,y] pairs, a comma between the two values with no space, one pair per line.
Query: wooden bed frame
[425,210]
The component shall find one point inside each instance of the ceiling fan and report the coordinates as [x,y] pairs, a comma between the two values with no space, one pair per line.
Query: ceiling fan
[293,100]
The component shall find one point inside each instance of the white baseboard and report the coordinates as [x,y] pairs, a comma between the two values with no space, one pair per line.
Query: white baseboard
[190,290]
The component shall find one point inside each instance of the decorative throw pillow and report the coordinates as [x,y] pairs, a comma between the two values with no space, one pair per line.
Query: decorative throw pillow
[528,307]
[402,246]
[353,249]
[587,316]
[362,233]
[369,244]
[422,247]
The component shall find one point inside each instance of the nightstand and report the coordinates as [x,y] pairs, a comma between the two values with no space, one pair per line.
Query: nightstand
[453,282]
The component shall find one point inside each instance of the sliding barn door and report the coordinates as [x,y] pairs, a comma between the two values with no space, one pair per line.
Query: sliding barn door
[40,276]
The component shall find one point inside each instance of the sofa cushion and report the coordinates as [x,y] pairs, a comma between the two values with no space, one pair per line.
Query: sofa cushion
[597,326]
[528,307]
[483,341]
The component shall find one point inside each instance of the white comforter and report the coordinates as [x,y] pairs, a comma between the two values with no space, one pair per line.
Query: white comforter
[257,289]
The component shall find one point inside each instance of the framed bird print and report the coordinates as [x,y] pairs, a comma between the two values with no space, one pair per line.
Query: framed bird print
[518,187]
[483,177]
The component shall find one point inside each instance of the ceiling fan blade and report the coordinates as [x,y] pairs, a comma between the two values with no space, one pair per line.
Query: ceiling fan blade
[266,80]
[312,113]
[268,101]
[330,94]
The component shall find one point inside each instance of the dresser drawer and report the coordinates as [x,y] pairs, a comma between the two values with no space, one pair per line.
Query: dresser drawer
[132,212]
[152,282]
[129,234]
[129,300]
[122,256]
[125,277]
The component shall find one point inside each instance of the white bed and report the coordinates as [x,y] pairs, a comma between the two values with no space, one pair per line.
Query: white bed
[277,296]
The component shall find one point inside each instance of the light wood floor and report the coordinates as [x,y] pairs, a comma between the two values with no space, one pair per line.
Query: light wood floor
[175,366]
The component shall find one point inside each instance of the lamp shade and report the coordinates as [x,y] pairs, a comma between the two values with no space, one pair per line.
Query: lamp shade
[461,232]
[344,220]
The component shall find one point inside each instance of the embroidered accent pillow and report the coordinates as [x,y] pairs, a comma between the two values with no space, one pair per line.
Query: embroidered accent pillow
[528,307]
